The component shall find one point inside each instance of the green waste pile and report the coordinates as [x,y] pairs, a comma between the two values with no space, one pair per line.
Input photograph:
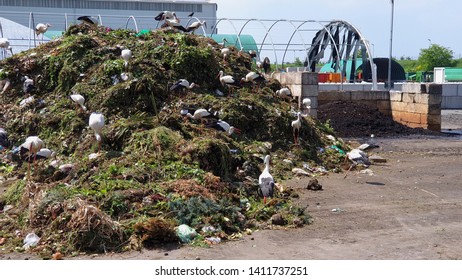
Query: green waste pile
[156,170]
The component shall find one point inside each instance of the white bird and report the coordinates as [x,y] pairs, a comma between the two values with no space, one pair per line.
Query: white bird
[224,126]
[29,148]
[96,122]
[41,28]
[43,153]
[370,145]
[199,114]
[175,23]
[306,106]
[165,15]
[254,78]
[357,156]
[284,93]
[266,181]
[126,56]
[228,81]
[79,100]
[182,84]
[5,46]
[195,25]
[28,85]
[225,53]
[296,125]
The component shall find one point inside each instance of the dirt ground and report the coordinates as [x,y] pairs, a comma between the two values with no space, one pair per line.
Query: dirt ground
[406,208]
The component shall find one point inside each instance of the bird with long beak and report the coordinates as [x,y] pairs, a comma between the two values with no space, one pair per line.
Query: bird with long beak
[296,125]
[175,23]
[254,78]
[5,45]
[224,126]
[41,28]
[195,25]
[228,81]
[29,149]
[96,122]
[356,156]
[306,106]
[126,55]
[200,114]
[182,85]
[79,101]
[266,181]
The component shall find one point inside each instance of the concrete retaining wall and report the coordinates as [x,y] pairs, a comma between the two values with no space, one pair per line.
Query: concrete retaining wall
[415,104]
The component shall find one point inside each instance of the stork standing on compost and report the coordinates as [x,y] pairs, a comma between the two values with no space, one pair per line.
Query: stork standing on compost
[254,78]
[79,101]
[228,81]
[29,148]
[96,122]
[5,46]
[266,181]
[126,56]
[41,28]
[296,125]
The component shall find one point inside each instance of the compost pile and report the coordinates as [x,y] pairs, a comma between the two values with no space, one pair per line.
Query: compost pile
[159,177]
[353,119]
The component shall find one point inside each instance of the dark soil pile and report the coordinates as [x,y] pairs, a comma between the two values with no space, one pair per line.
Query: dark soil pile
[352,119]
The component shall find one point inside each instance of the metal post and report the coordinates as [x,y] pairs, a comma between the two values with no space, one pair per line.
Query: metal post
[391,45]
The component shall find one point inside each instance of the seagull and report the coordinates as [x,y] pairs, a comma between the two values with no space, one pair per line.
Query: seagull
[4,141]
[28,85]
[195,25]
[182,84]
[266,181]
[306,106]
[5,45]
[357,156]
[88,19]
[41,28]
[79,100]
[126,56]
[29,148]
[228,81]
[253,77]
[224,126]
[96,122]
[284,93]
[296,125]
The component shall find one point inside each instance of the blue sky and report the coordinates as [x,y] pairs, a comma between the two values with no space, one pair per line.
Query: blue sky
[416,23]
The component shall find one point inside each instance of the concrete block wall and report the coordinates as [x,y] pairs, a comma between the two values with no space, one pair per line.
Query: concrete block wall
[452,96]
[302,85]
[418,105]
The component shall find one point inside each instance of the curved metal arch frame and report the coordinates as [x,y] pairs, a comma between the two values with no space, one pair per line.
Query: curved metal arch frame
[230,22]
[267,33]
[291,37]
[134,21]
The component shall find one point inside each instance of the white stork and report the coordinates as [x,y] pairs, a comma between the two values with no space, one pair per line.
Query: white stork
[357,156]
[199,114]
[370,145]
[182,84]
[224,126]
[29,148]
[165,15]
[79,101]
[195,25]
[43,153]
[266,181]
[126,56]
[5,46]
[175,23]
[96,122]
[296,125]
[41,28]
[284,93]
[254,78]
[228,81]
[306,106]
[88,19]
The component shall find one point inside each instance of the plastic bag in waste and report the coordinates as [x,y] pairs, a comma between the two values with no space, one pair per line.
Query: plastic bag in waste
[186,233]
[31,240]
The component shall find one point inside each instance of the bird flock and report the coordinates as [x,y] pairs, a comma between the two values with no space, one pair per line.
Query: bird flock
[33,148]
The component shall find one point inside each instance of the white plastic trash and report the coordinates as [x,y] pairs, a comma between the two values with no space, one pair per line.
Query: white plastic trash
[31,240]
